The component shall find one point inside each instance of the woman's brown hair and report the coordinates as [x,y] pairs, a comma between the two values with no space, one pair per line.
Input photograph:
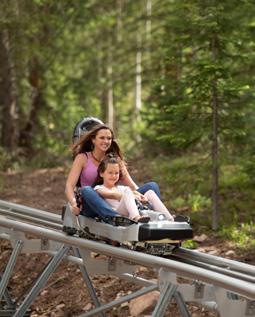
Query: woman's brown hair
[85,144]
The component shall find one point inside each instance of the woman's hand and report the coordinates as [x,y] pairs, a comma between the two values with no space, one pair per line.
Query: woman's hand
[75,209]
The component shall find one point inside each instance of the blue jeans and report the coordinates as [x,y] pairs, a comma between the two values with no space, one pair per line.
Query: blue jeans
[151,185]
[94,205]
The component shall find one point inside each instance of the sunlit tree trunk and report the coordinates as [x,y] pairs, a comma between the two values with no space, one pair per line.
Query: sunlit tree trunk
[148,31]
[107,104]
[103,102]
[110,105]
[119,5]
[9,95]
[138,77]
[215,145]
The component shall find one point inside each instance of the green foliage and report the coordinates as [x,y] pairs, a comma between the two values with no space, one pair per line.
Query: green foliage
[234,176]
[5,160]
[73,51]
[242,235]
[190,244]
[185,187]
[11,161]
[178,203]
[248,167]
[198,202]
[179,111]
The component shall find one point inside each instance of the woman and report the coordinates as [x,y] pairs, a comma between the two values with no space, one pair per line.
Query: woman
[88,153]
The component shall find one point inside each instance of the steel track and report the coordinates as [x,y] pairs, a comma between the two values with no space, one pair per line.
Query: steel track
[234,276]
[238,270]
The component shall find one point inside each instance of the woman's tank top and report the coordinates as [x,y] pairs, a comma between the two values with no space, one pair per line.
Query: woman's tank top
[89,173]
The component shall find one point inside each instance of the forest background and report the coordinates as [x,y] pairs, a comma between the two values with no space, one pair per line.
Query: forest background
[175,80]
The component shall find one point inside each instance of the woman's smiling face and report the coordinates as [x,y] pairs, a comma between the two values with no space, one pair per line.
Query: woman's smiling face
[103,140]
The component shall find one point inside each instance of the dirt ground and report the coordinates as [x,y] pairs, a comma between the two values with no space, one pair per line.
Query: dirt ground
[65,294]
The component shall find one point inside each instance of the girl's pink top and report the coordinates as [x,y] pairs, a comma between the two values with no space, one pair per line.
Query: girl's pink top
[89,173]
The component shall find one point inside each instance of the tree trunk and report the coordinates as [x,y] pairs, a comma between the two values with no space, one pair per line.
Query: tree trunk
[148,31]
[215,144]
[107,105]
[138,77]
[119,9]
[110,105]
[103,100]
[9,95]
[37,102]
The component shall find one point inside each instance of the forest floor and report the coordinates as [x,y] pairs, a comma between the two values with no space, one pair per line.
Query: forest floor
[65,294]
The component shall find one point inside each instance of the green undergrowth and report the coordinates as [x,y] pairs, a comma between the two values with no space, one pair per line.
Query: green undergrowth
[242,235]
[186,184]
[21,161]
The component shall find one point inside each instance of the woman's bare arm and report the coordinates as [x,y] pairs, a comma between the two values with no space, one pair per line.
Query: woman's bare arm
[127,179]
[79,163]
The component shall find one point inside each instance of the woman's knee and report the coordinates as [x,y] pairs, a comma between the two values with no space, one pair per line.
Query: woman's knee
[153,186]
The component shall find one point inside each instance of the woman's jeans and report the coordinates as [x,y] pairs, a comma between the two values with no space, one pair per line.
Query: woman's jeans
[151,185]
[94,205]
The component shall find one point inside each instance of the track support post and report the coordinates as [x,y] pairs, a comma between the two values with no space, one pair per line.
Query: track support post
[9,267]
[166,294]
[41,281]
[88,282]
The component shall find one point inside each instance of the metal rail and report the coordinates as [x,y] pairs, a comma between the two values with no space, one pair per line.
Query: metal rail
[196,258]
[214,260]
[27,218]
[29,211]
[185,270]
[221,274]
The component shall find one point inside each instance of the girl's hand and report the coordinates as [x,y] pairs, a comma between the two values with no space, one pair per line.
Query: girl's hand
[143,199]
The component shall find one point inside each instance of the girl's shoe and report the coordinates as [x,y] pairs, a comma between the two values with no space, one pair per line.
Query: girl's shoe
[142,219]
[181,218]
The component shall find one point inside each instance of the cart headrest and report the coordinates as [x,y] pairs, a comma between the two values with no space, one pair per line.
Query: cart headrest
[83,126]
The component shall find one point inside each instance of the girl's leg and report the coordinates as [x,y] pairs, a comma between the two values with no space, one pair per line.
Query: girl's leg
[149,186]
[94,205]
[127,207]
[157,204]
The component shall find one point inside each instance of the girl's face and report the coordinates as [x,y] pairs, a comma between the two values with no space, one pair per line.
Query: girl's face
[103,140]
[111,174]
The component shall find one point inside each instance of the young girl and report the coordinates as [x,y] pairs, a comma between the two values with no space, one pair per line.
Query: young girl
[120,197]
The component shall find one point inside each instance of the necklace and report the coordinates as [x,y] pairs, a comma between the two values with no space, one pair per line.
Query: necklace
[99,161]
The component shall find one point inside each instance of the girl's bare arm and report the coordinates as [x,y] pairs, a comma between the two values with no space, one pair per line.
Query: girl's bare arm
[109,195]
